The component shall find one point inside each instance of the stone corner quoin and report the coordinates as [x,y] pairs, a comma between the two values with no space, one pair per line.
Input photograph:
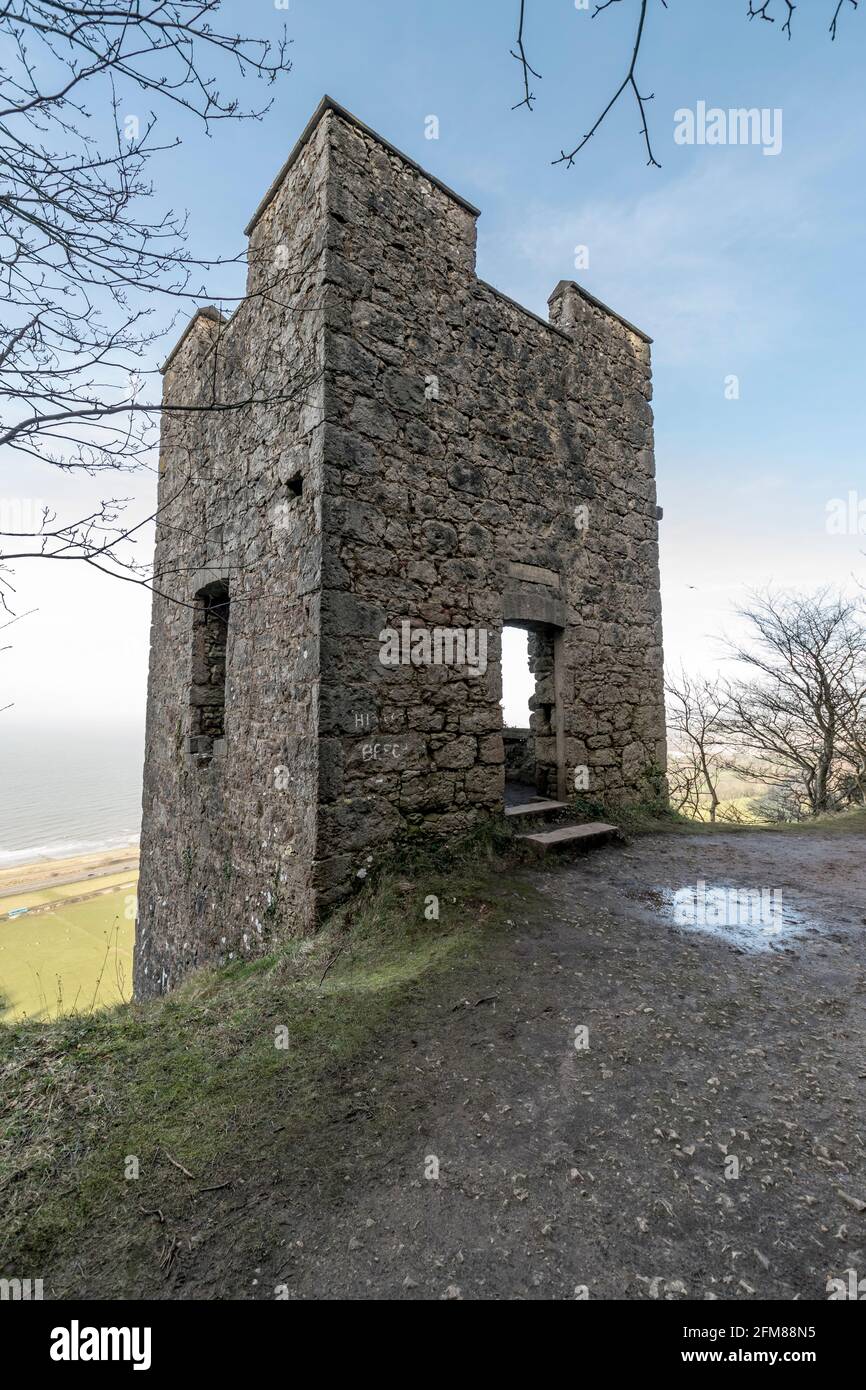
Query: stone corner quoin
[378,442]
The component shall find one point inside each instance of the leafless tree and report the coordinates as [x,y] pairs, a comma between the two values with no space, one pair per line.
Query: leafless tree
[696,709]
[768,11]
[851,713]
[101,539]
[683,786]
[85,246]
[790,718]
[95,270]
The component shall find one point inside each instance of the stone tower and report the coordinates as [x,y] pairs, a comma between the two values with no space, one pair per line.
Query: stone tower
[380,461]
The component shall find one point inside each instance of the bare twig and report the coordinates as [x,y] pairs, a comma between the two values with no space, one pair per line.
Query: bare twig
[178,1165]
[334,958]
[760,12]
[628,82]
[835,20]
[757,9]
[528,70]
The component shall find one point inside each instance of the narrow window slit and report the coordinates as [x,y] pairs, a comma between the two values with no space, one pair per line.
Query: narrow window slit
[209,647]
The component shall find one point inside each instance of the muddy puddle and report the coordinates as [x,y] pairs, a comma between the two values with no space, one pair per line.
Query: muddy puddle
[750,919]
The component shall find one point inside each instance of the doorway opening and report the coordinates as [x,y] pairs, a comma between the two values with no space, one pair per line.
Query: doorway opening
[529,712]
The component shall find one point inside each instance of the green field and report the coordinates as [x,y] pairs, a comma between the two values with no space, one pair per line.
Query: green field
[71,960]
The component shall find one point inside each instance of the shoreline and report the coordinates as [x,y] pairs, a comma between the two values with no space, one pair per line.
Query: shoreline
[40,875]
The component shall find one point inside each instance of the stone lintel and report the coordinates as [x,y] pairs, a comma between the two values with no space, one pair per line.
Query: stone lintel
[533,606]
[210,574]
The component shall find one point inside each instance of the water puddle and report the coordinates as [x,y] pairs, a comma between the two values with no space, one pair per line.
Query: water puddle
[750,919]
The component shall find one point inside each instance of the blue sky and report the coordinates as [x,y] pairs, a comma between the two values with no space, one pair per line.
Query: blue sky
[737,263]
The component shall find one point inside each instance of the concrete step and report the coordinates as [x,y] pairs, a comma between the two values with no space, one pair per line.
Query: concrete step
[577,836]
[539,807]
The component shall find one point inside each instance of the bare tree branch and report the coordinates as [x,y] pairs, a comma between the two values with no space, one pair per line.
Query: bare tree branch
[528,70]
[835,20]
[755,10]
[629,81]
[696,710]
[792,721]
[85,262]
[760,12]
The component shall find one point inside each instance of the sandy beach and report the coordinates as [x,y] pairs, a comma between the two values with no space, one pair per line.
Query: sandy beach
[44,874]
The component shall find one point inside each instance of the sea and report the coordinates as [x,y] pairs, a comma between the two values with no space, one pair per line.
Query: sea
[68,790]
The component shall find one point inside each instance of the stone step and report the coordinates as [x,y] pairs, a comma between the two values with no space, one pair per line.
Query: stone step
[539,807]
[580,836]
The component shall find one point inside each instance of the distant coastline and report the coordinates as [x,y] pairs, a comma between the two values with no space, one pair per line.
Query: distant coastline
[44,873]
[69,792]
[18,861]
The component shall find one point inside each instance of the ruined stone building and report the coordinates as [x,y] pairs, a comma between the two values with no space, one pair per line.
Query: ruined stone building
[381,461]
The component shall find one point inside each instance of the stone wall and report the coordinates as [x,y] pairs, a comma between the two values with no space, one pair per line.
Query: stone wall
[228,839]
[451,463]
[447,505]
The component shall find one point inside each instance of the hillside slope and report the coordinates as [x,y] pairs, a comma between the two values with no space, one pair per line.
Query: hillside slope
[416,1046]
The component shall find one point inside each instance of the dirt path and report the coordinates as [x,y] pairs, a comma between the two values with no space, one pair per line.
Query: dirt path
[601,1169]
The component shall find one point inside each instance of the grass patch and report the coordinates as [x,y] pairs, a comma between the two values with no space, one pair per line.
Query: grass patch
[646,817]
[834,822]
[73,958]
[642,820]
[197,1089]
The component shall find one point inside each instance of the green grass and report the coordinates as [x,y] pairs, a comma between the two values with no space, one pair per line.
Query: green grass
[635,817]
[196,1078]
[834,822]
[75,957]
[650,817]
